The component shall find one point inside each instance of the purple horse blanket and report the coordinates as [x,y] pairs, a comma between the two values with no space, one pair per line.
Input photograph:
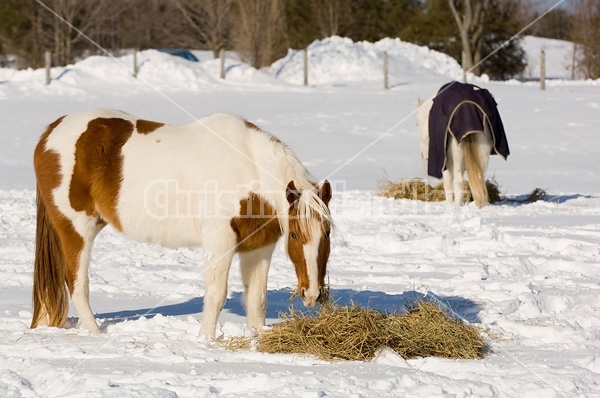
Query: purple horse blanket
[461,109]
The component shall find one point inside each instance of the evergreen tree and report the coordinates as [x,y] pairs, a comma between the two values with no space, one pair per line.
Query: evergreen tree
[398,16]
[434,26]
[302,27]
[366,20]
[18,31]
[508,59]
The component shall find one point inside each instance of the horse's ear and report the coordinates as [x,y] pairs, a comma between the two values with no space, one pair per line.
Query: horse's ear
[291,192]
[325,192]
[419,101]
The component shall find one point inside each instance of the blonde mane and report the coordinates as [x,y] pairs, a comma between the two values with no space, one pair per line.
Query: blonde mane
[311,209]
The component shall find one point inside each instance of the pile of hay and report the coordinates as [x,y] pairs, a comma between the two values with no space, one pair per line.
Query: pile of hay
[414,189]
[417,189]
[355,333]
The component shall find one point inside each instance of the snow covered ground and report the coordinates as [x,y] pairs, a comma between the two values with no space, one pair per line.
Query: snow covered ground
[529,275]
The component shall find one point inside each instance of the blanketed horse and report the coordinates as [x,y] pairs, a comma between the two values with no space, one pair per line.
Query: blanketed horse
[459,129]
[219,182]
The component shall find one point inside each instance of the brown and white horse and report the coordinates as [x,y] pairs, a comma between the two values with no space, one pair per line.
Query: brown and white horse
[219,182]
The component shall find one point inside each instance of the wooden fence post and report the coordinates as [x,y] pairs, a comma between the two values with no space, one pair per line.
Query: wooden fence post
[573,61]
[135,64]
[222,58]
[48,64]
[305,52]
[385,70]
[543,70]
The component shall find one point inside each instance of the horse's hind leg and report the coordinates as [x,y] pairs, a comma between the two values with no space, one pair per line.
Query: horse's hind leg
[447,180]
[484,144]
[452,176]
[77,264]
[255,267]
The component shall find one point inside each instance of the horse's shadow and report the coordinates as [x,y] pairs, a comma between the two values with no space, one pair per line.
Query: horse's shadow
[279,302]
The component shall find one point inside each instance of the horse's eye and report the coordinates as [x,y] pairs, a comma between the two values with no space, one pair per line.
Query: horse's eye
[327,234]
[293,235]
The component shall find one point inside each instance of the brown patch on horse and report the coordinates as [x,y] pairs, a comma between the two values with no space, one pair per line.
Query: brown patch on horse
[254,127]
[146,126]
[324,250]
[276,140]
[296,241]
[325,194]
[57,243]
[98,168]
[257,225]
[251,126]
[297,238]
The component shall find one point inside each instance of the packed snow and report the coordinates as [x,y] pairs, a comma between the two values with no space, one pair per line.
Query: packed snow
[338,60]
[558,55]
[527,274]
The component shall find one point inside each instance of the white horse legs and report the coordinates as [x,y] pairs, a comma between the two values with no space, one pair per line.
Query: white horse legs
[455,164]
[255,268]
[81,284]
[453,175]
[217,261]
[81,291]
[447,180]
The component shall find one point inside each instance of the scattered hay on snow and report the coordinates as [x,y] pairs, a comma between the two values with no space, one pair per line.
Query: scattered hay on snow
[493,190]
[534,196]
[356,333]
[417,189]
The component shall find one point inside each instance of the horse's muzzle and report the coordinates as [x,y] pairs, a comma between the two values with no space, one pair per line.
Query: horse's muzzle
[309,301]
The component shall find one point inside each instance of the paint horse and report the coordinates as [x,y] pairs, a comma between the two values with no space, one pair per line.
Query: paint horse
[459,129]
[219,182]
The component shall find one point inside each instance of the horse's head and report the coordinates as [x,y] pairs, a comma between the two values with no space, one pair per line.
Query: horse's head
[307,240]
[423,125]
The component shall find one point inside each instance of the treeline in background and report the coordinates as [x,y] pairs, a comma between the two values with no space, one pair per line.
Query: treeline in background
[261,31]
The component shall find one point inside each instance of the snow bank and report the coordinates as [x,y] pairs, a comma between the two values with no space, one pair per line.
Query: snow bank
[157,71]
[331,61]
[559,57]
[337,60]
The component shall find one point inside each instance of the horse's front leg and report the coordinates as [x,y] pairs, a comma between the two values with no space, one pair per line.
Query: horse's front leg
[255,268]
[218,253]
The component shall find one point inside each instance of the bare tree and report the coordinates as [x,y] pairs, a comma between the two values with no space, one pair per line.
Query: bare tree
[209,20]
[587,36]
[64,28]
[470,19]
[260,31]
[160,26]
[19,33]
[329,14]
